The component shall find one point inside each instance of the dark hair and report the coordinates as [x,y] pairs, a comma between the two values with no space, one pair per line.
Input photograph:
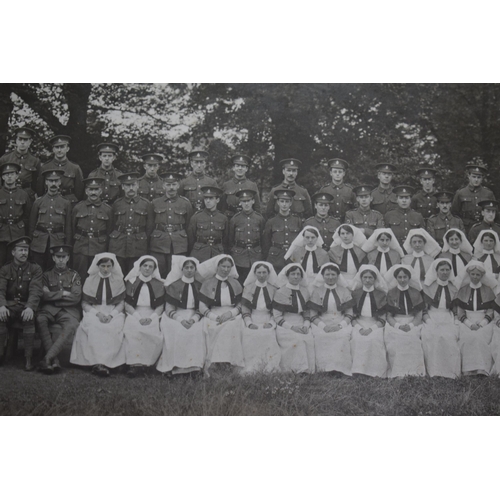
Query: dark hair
[399,269]
[331,267]
[187,261]
[225,259]
[418,236]
[148,260]
[313,231]
[294,268]
[347,228]
[384,234]
[451,233]
[104,261]
[373,273]
[443,263]
[490,234]
[262,265]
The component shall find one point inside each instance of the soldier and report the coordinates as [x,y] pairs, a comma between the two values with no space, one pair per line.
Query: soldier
[59,308]
[280,230]
[190,187]
[91,225]
[403,218]
[364,217]
[50,219]
[230,204]
[151,186]
[301,204]
[383,197]
[465,203]
[489,209]
[30,165]
[322,221]
[245,233]
[133,220]
[208,228]
[343,195]
[15,207]
[424,201]
[437,225]
[72,179]
[20,294]
[111,185]
[172,214]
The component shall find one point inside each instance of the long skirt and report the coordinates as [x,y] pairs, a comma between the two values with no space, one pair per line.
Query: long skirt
[332,349]
[440,344]
[404,349]
[297,349]
[475,345]
[368,351]
[224,341]
[99,343]
[260,347]
[495,350]
[142,343]
[184,349]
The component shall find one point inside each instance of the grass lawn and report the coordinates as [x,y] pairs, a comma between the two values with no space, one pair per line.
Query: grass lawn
[77,392]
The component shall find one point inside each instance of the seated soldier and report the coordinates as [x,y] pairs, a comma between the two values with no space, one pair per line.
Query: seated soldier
[59,313]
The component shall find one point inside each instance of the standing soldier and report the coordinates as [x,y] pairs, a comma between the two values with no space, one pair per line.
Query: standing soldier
[133,221]
[30,165]
[91,225]
[489,209]
[364,217]
[466,201]
[190,187]
[172,214]
[230,204]
[111,185]
[208,228]
[151,186]
[301,203]
[322,221]
[437,225]
[384,199]
[424,201]
[15,207]
[403,218]
[20,294]
[245,233]
[50,219]
[62,291]
[280,230]
[343,195]
[72,178]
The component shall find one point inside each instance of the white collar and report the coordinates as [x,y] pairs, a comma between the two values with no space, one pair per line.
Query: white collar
[311,249]
[220,278]
[489,252]
[187,280]
[455,251]
[332,287]
[144,279]
[104,277]
[368,289]
[261,285]
[403,289]
[381,250]
[292,287]
[442,283]
[346,246]
[475,286]
[418,254]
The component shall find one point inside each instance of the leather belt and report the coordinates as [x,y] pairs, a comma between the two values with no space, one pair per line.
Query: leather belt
[210,241]
[55,229]
[10,221]
[91,234]
[247,244]
[284,246]
[168,228]
[131,230]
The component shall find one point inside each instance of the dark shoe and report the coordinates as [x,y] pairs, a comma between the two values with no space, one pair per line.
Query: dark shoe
[133,371]
[56,366]
[100,371]
[28,367]
[44,367]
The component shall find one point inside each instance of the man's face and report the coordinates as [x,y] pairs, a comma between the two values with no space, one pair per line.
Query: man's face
[60,151]
[60,260]
[20,254]
[489,215]
[107,159]
[404,201]
[364,200]
[475,179]
[444,207]
[337,174]
[211,202]
[247,205]
[10,178]
[239,170]
[23,144]
[198,166]
[53,185]
[130,190]
[385,177]
[93,193]
[284,205]
[322,208]
[151,169]
[171,189]
[427,183]
[290,174]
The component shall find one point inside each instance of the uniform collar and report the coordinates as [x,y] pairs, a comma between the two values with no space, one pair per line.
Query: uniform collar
[384,190]
[5,188]
[135,199]
[239,181]
[170,200]
[60,163]
[96,204]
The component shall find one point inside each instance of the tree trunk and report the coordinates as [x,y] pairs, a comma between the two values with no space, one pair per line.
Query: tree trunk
[6,106]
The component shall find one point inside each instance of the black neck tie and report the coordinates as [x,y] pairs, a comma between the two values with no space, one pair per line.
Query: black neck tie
[333,292]
[185,295]
[314,259]
[218,291]
[378,260]
[472,302]
[494,264]
[343,264]
[405,308]
[422,269]
[297,295]
[439,293]
[108,291]
[256,294]
[373,305]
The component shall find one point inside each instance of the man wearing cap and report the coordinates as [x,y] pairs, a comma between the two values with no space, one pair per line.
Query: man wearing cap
[383,197]
[208,228]
[230,203]
[20,294]
[133,220]
[91,225]
[245,233]
[301,203]
[437,225]
[50,219]
[151,186]
[172,214]
[403,218]
[343,195]
[108,152]
[190,187]
[322,221]
[72,179]
[15,207]
[489,210]
[466,200]
[280,230]
[30,165]
[424,201]
[364,217]
[58,315]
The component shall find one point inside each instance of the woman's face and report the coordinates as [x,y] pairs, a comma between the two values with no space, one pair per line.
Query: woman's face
[443,272]
[188,270]
[346,236]
[330,276]
[454,241]
[105,268]
[475,276]
[417,244]
[368,280]
[294,277]
[224,268]
[310,239]
[383,241]
[147,268]
[402,278]
[488,243]
[262,274]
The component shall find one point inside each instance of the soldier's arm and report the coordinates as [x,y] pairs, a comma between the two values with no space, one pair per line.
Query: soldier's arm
[232,231]
[37,175]
[150,220]
[109,224]
[47,295]
[270,205]
[414,202]
[348,217]
[430,227]
[189,212]
[256,205]
[76,291]
[461,224]
[35,288]
[79,187]
[33,217]
[266,239]
[3,286]
[455,204]
[225,236]
[191,233]
[27,211]
[308,206]
[380,220]
[67,224]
